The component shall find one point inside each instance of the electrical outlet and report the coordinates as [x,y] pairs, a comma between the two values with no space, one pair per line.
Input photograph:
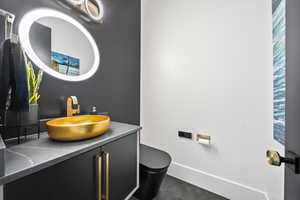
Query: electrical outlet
[186,135]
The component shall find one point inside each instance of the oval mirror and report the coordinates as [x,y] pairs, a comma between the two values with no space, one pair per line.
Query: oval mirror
[59,45]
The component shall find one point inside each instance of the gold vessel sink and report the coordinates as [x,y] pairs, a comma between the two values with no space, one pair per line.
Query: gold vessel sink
[78,127]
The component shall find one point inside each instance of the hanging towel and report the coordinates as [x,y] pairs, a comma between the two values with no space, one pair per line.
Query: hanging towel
[20,93]
[13,76]
[2,73]
[5,73]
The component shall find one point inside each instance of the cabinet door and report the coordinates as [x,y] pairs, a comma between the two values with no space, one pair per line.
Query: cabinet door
[120,160]
[74,179]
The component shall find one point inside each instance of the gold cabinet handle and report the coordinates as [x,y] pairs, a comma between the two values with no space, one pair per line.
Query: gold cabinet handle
[99,164]
[107,174]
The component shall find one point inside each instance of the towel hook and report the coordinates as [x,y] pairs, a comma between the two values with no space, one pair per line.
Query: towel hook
[9,22]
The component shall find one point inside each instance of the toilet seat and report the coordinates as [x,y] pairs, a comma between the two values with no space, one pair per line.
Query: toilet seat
[153,159]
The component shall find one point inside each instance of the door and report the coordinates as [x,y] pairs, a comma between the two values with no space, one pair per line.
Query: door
[292,146]
[121,167]
[292,180]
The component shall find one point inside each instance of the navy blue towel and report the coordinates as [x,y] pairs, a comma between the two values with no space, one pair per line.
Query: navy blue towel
[5,72]
[20,93]
[13,75]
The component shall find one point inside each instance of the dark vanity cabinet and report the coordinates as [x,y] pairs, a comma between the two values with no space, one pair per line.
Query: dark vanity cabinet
[122,167]
[108,172]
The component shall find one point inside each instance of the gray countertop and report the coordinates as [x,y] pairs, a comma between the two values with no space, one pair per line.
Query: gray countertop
[34,155]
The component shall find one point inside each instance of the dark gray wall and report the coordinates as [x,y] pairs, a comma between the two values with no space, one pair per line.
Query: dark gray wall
[115,87]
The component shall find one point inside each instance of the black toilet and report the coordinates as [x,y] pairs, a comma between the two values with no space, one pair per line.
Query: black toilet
[154,165]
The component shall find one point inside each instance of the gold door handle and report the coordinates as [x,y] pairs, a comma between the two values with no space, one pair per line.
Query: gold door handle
[99,164]
[275,159]
[107,158]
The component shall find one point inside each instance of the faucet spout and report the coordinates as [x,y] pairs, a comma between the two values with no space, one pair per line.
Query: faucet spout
[73,106]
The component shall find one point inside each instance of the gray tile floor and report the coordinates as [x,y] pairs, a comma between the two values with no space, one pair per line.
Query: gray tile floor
[175,189]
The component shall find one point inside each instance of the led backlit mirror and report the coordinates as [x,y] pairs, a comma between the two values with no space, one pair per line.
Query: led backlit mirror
[59,45]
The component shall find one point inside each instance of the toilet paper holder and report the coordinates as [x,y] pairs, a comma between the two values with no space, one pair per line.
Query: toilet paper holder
[203,139]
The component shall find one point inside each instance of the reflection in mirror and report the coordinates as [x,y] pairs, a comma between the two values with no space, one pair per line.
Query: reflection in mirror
[59,45]
[70,52]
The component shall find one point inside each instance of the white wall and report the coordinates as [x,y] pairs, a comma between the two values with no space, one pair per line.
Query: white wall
[207,67]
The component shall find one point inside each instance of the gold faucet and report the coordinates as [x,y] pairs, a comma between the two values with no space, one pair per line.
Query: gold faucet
[73,106]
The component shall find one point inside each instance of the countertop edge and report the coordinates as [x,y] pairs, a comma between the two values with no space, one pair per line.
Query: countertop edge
[20,174]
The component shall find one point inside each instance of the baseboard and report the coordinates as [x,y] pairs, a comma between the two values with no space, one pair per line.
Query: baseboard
[224,187]
[131,193]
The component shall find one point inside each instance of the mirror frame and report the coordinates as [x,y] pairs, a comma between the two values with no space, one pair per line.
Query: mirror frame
[24,30]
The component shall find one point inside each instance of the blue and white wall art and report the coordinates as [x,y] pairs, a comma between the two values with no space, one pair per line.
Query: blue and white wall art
[65,64]
[279,66]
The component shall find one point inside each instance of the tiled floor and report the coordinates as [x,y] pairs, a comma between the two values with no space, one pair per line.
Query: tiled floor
[175,189]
